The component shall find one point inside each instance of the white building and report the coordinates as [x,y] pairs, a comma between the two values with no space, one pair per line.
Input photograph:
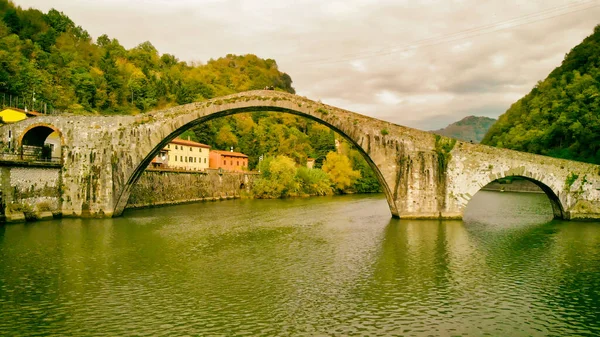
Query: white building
[187,155]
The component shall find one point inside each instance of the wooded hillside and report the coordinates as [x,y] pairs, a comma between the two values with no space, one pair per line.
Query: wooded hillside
[560,117]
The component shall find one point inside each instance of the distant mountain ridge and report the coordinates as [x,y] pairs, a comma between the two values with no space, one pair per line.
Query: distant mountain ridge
[470,128]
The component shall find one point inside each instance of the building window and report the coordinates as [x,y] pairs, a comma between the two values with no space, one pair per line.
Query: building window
[191,149]
[200,149]
[168,146]
[238,163]
[204,160]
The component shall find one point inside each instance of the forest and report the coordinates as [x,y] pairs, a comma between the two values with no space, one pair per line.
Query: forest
[51,64]
[560,117]
[47,54]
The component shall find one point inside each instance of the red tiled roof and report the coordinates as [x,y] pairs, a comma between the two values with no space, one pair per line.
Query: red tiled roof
[229,153]
[180,141]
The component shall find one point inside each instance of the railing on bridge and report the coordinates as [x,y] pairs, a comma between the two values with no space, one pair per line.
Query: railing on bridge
[29,158]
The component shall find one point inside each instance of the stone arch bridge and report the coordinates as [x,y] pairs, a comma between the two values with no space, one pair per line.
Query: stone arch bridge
[422,175]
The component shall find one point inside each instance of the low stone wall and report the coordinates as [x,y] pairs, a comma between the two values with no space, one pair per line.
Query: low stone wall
[161,187]
[32,192]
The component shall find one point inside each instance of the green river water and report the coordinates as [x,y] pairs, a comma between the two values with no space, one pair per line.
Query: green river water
[328,266]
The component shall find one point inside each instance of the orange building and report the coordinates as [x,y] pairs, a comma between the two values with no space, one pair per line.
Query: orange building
[228,160]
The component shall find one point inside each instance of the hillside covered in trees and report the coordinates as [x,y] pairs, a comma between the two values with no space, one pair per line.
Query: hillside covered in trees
[560,117]
[469,129]
[49,55]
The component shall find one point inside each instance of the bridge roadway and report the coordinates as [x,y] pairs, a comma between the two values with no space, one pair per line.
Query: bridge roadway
[423,175]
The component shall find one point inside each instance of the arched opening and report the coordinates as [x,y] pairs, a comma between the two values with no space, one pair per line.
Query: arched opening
[41,142]
[152,155]
[515,195]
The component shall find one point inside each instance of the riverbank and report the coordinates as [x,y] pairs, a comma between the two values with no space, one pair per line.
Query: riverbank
[519,186]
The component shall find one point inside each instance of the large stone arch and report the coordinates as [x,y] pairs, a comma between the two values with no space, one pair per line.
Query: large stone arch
[198,113]
[558,209]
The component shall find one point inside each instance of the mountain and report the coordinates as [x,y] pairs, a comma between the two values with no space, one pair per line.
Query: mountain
[560,117]
[471,128]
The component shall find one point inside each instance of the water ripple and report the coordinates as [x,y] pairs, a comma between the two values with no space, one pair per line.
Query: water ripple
[312,267]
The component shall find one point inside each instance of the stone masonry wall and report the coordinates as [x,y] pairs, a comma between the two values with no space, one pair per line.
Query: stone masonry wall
[173,187]
[34,188]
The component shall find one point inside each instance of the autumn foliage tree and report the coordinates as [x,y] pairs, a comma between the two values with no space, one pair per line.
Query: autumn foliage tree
[340,171]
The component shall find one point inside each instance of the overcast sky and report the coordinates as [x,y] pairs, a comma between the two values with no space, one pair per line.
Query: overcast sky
[423,64]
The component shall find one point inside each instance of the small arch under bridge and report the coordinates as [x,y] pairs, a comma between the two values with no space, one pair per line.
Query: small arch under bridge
[423,176]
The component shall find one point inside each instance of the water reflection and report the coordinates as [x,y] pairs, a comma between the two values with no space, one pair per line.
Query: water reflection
[322,266]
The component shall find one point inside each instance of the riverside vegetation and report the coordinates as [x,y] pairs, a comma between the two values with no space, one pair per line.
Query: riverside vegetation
[47,53]
[281,178]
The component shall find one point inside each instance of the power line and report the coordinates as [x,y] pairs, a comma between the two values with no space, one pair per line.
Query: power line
[468,33]
[416,43]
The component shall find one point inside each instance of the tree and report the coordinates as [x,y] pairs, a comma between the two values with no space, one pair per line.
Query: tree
[225,138]
[277,178]
[368,181]
[11,18]
[313,181]
[340,170]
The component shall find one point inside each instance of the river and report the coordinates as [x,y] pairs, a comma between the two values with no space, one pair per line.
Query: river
[327,266]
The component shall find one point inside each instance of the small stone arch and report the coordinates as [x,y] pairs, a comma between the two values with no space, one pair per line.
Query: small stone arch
[34,137]
[558,210]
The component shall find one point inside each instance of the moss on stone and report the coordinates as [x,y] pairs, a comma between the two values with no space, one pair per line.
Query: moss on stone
[443,147]
[570,180]
[323,111]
